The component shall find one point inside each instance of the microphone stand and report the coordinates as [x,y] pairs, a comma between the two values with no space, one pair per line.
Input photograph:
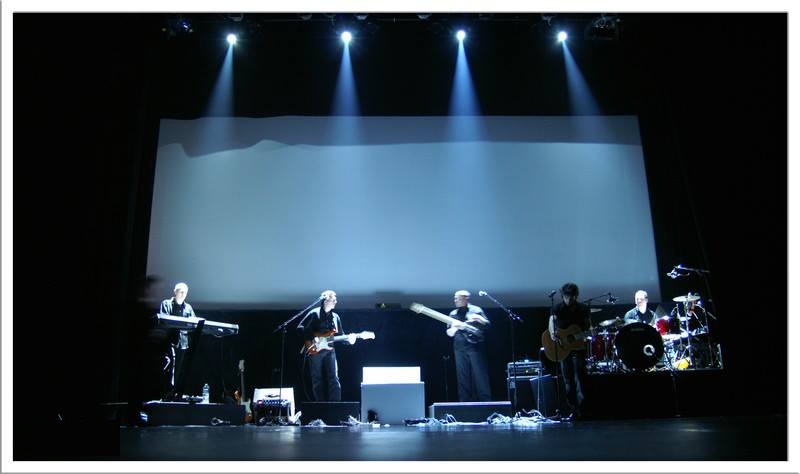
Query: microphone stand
[282,329]
[514,319]
[589,301]
[558,364]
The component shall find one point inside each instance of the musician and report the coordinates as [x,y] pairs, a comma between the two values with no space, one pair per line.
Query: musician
[176,306]
[470,351]
[573,368]
[640,314]
[323,365]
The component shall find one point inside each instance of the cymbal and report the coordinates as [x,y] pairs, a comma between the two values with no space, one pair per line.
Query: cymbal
[608,322]
[673,337]
[595,310]
[686,299]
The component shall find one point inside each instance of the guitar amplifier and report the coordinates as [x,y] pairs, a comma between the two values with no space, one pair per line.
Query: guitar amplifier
[523,368]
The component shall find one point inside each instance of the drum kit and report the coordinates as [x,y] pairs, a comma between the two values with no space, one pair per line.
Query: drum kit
[680,340]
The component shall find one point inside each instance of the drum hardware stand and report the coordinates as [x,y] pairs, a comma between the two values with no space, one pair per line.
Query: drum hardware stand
[688,334]
[588,302]
[715,354]
[715,359]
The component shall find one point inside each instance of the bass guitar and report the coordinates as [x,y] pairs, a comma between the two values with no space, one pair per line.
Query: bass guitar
[570,339]
[473,334]
[324,341]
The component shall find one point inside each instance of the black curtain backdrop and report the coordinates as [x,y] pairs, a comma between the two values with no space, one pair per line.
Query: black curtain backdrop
[89,90]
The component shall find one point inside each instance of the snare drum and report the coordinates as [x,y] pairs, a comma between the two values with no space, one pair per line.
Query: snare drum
[639,346]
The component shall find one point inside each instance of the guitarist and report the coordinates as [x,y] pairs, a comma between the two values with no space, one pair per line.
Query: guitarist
[322,321]
[565,314]
[469,350]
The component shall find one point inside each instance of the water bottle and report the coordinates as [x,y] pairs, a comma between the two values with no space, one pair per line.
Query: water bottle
[205,394]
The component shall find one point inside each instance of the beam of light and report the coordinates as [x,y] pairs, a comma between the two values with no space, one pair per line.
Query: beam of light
[464,108]
[344,130]
[346,37]
[582,103]
[220,104]
[345,100]
[345,127]
[221,101]
[467,152]
[231,39]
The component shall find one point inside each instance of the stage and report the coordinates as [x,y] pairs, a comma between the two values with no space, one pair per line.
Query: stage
[740,438]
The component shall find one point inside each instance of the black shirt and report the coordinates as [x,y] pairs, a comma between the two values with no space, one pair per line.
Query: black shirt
[462,339]
[566,316]
[319,322]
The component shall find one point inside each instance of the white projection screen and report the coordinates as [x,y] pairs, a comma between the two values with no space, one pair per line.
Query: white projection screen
[268,212]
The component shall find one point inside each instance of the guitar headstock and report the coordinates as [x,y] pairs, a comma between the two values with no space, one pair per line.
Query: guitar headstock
[241,365]
[416,307]
[367,335]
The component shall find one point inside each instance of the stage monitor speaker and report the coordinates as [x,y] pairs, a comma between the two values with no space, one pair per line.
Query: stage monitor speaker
[392,403]
[536,393]
[182,413]
[331,413]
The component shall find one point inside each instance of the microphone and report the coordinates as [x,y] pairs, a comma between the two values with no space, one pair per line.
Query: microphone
[482,293]
[551,294]
[673,274]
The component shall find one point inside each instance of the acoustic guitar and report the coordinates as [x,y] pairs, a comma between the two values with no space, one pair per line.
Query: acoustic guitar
[570,339]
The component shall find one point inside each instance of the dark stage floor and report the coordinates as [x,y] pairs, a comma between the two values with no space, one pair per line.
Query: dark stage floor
[752,438]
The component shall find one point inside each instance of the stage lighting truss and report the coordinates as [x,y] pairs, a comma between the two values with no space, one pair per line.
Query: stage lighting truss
[177,26]
[605,27]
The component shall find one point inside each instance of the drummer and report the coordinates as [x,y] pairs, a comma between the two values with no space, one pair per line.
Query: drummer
[640,314]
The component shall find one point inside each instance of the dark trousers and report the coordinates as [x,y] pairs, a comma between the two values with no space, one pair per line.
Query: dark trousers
[573,369]
[172,364]
[325,377]
[472,374]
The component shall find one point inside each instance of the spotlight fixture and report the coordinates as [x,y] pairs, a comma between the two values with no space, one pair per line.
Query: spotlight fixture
[304,16]
[562,36]
[605,27]
[231,39]
[460,35]
[423,16]
[346,37]
[177,26]
[361,16]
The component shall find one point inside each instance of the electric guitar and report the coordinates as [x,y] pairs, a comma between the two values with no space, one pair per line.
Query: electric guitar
[472,333]
[570,339]
[324,341]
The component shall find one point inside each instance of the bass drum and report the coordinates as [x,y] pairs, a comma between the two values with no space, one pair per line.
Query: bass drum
[639,346]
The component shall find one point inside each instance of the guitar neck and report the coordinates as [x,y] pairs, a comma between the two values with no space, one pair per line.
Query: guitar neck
[344,337]
[433,314]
